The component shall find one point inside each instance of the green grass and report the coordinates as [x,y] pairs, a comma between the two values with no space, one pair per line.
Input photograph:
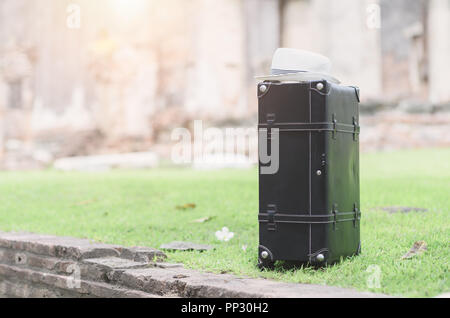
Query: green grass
[139,208]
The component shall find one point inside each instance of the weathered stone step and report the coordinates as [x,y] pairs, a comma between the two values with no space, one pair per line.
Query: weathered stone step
[73,248]
[30,260]
[95,269]
[12,288]
[48,266]
[188,283]
[67,285]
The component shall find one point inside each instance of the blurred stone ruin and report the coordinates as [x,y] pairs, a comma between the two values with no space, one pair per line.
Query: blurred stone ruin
[130,74]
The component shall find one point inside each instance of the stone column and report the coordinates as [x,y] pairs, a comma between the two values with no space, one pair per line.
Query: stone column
[262,38]
[216,76]
[340,31]
[439,50]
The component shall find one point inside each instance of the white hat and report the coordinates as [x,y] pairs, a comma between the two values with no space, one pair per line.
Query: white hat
[299,65]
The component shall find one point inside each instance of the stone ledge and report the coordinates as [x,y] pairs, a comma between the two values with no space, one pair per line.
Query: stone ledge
[34,265]
[17,289]
[42,282]
[73,248]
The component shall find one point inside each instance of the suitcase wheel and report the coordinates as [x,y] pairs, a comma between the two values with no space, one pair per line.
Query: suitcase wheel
[266,264]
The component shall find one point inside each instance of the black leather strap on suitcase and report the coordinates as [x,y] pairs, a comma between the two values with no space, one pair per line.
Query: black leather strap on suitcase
[310,219]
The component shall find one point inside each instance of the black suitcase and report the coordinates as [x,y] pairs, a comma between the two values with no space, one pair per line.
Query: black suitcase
[309,209]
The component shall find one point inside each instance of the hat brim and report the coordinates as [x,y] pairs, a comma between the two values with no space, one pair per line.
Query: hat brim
[299,77]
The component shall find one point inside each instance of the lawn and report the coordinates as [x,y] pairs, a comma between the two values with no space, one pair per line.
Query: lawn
[140,208]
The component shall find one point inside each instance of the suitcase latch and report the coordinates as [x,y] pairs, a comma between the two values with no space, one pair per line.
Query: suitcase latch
[355,129]
[356,215]
[335,213]
[270,118]
[271,211]
[324,160]
[334,126]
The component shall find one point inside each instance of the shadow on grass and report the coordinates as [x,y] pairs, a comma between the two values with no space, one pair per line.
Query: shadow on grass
[292,266]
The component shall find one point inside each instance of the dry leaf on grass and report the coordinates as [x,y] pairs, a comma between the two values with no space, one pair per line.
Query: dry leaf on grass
[418,248]
[203,220]
[186,206]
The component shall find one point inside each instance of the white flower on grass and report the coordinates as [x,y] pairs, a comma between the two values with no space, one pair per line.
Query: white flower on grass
[244,248]
[224,235]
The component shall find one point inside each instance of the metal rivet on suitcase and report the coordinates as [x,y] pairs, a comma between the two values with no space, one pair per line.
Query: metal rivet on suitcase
[264,254]
[319,86]
[263,88]
[319,172]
